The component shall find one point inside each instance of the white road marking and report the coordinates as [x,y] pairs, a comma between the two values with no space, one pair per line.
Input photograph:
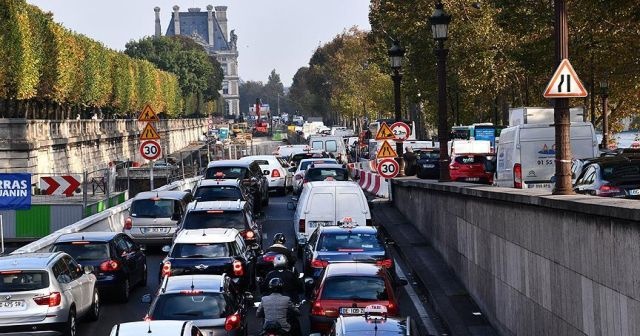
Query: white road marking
[422,313]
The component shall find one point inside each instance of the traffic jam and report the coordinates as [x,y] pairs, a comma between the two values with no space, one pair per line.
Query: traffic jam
[331,273]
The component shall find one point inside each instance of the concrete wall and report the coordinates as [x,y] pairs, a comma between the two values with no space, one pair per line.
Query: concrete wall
[536,264]
[73,146]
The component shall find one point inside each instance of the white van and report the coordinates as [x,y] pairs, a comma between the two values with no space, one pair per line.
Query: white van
[331,144]
[526,153]
[326,203]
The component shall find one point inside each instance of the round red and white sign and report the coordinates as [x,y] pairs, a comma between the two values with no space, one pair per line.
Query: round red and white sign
[388,168]
[150,150]
[401,131]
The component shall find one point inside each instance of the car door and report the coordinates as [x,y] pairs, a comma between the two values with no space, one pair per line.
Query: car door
[126,257]
[79,285]
[583,185]
[137,257]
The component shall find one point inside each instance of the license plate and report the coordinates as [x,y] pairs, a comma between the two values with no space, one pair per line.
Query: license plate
[539,185]
[352,311]
[472,179]
[155,230]
[316,224]
[429,166]
[634,192]
[14,305]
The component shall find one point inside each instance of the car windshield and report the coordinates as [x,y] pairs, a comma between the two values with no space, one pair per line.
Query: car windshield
[217,193]
[152,208]
[190,305]
[621,171]
[214,219]
[355,288]
[348,242]
[200,250]
[305,164]
[20,281]
[327,174]
[82,250]
[225,172]
[470,159]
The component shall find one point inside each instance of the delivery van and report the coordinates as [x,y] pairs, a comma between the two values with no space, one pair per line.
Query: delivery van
[331,144]
[327,203]
[526,153]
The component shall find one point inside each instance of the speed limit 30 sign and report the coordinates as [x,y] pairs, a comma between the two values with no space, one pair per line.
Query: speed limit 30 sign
[388,168]
[150,150]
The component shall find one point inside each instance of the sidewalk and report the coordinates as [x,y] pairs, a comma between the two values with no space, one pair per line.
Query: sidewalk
[444,291]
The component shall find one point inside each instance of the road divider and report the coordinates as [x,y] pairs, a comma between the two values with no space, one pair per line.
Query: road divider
[372,183]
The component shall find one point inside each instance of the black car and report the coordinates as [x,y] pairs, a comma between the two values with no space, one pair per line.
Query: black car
[326,172]
[294,159]
[119,263]
[222,190]
[211,251]
[345,243]
[610,177]
[249,174]
[428,163]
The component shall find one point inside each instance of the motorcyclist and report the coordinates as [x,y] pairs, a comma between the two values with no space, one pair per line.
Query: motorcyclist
[278,247]
[276,307]
[291,284]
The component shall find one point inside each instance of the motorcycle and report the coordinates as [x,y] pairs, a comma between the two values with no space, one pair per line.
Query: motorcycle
[273,328]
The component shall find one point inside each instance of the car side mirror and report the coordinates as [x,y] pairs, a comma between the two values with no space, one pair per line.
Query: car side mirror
[291,206]
[146,299]
[88,269]
[401,282]
[166,249]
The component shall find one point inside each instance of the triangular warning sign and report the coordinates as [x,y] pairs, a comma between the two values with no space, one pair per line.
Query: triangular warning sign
[384,133]
[565,83]
[386,151]
[149,133]
[148,114]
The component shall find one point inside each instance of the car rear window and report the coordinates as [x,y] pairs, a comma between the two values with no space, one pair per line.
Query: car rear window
[214,219]
[22,281]
[331,146]
[348,242]
[322,174]
[200,250]
[149,208]
[428,155]
[217,193]
[621,171]
[225,172]
[470,159]
[82,250]
[354,288]
[190,305]
[306,164]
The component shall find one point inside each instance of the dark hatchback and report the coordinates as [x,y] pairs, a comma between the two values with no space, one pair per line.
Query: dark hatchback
[250,175]
[119,263]
[428,164]
[611,177]
[339,244]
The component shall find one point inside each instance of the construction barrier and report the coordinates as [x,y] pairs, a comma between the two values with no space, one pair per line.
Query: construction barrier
[372,183]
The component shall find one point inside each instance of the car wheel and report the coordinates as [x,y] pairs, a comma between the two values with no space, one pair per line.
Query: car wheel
[143,283]
[71,326]
[94,314]
[125,289]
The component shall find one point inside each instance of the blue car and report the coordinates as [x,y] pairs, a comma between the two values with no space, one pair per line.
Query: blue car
[119,263]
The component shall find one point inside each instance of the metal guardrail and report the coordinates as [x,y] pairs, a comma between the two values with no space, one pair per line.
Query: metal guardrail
[111,219]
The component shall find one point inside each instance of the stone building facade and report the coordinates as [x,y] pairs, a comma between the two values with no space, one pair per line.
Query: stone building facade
[209,29]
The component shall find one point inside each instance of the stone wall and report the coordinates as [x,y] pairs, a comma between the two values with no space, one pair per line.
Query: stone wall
[536,264]
[43,147]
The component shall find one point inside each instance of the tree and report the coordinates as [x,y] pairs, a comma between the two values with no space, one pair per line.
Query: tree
[249,91]
[273,90]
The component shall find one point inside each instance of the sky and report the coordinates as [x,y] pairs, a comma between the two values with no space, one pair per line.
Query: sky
[272,34]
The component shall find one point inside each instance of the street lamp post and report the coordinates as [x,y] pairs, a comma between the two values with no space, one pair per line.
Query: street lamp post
[440,29]
[604,93]
[396,54]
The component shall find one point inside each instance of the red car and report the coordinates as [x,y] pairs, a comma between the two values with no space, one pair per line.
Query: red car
[346,289]
[472,168]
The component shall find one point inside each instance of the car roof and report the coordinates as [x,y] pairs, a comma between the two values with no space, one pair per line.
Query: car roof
[165,194]
[362,269]
[211,235]
[22,261]
[237,205]
[332,184]
[204,282]
[326,165]
[218,182]
[103,236]
[352,229]
[229,163]
[158,328]
[357,324]
[259,157]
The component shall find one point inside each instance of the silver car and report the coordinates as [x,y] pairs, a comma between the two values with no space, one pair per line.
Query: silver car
[155,216]
[45,294]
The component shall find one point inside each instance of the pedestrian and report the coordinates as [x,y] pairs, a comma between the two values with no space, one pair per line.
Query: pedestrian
[409,162]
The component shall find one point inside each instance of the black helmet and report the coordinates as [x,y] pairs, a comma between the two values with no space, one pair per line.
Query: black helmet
[279,238]
[276,284]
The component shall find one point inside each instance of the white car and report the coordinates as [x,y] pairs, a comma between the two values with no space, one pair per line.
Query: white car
[285,151]
[156,328]
[278,177]
[298,176]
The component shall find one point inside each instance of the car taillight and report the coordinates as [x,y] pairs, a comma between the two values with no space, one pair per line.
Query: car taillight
[50,300]
[166,269]
[232,322]
[301,226]
[607,190]
[128,223]
[249,234]
[238,269]
[268,258]
[109,266]
[386,263]
[517,176]
[392,309]
[319,263]
[275,173]
[316,309]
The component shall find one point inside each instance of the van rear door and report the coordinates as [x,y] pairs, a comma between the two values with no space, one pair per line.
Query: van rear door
[320,208]
[350,202]
[537,154]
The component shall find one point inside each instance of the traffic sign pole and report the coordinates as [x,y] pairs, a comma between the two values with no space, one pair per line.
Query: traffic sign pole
[151,175]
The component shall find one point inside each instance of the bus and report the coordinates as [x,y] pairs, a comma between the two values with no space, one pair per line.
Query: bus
[480,131]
